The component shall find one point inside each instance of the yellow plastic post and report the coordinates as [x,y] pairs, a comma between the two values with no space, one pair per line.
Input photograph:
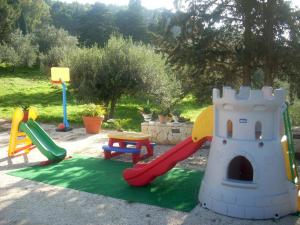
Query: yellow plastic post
[17,118]
[285,152]
[204,124]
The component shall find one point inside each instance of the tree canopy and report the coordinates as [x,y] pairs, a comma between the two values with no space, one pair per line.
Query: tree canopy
[230,41]
[9,13]
[207,43]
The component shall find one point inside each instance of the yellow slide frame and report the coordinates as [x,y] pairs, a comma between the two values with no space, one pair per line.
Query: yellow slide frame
[19,141]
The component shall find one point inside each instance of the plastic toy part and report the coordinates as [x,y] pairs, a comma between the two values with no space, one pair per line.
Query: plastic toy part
[128,136]
[285,152]
[290,145]
[60,74]
[289,152]
[143,174]
[25,136]
[61,126]
[128,142]
[42,141]
[19,141]
[249,174]
[204,124]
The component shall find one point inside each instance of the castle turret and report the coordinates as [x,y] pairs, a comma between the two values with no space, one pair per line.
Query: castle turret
[245,175]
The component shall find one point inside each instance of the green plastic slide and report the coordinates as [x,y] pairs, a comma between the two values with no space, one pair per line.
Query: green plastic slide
[42,141]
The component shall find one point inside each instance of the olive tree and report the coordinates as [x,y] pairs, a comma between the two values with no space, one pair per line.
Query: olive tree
[121,67]
[20,50]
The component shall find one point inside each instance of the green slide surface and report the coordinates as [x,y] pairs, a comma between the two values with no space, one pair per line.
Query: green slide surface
[42,141]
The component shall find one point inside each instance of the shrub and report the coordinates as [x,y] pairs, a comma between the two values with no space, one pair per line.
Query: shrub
[93,110]
[25,48]
[20,50]
[55,57]
[295,113]
[145,109]
[57,47]
[52,58]
[49,37]
[163,111]
[8,55]
[84,66]
[119,72]
[159,81]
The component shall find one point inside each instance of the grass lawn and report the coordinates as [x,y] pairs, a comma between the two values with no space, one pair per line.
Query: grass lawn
[30,86]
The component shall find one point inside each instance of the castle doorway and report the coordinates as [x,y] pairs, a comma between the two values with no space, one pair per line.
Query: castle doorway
[240,169]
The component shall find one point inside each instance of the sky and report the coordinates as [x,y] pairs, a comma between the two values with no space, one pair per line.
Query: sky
[150,4]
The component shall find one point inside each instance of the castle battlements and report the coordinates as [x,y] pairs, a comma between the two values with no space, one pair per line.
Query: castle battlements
[266,96]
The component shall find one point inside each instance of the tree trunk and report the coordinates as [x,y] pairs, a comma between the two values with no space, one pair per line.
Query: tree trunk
[269,78]
[246,76]
[112,110]
[247,53]
[269,37]
[106,104]
[22,24]
[292,91]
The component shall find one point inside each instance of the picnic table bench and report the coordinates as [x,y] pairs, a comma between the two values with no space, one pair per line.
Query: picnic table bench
[128,142]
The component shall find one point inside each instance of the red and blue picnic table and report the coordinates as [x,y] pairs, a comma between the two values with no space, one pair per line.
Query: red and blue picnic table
[128,142]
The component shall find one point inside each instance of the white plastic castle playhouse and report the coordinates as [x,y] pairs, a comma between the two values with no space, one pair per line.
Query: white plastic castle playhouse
[251,167]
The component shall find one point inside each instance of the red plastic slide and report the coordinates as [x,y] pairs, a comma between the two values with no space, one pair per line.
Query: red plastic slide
[143,174]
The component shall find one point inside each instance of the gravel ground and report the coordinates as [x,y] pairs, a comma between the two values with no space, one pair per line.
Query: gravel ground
[25,202]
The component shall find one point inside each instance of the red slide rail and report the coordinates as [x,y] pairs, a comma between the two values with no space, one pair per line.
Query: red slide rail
[143,174]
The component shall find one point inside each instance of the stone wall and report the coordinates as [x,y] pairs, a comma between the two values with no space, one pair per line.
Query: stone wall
[167,133]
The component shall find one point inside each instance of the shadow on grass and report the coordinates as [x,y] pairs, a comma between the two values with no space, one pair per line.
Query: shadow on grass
[19,98]
[129,117]
[20,72]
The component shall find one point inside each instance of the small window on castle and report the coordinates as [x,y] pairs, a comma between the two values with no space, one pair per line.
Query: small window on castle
[229,129]
[258,130]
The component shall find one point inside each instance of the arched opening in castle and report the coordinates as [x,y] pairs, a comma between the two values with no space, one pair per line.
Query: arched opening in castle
[240,169]
[229,129]
[258,130]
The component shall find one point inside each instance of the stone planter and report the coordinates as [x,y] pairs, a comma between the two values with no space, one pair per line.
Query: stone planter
[167,133]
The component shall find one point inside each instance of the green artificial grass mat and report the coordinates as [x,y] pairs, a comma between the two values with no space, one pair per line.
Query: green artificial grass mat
[177,189]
